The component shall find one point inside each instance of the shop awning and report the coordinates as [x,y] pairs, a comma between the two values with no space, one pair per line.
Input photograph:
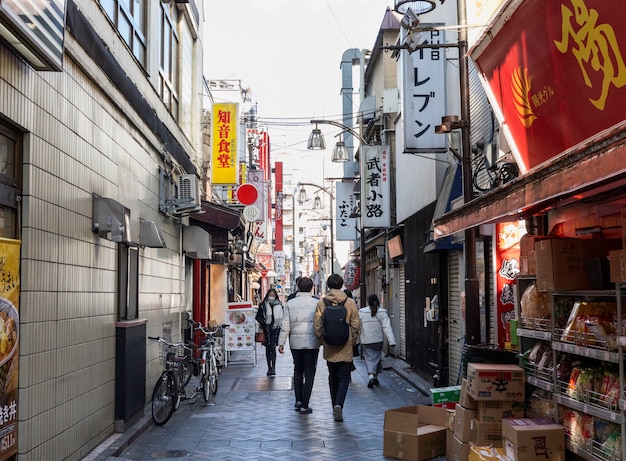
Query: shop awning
[219,221]
[451,189]
[595,173]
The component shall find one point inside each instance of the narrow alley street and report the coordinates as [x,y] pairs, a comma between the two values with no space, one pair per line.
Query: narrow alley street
[252,418]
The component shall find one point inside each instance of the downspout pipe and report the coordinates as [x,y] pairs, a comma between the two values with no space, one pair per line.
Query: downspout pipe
[350,58]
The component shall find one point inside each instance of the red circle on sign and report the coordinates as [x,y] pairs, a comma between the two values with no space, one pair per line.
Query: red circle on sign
[247,194]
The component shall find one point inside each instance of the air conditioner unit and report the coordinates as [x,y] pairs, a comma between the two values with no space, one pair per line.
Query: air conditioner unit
[187,198]
[189,188]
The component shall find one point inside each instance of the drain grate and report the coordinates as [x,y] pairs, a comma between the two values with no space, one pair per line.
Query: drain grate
[279,383]
[169,454]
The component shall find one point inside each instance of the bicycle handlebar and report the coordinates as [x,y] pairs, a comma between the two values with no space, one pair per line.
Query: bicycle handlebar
[167,343]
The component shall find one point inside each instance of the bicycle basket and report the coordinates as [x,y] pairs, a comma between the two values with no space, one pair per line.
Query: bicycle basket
[168,352]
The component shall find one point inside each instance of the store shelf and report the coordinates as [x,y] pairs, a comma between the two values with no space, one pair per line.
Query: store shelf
[591,453]
[581,344]
[608,415]
[534,334]
[589,352]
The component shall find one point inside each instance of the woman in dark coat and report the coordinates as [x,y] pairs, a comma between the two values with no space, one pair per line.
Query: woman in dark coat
[270,315]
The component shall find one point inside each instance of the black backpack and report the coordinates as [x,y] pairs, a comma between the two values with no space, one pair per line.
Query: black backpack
[336,327]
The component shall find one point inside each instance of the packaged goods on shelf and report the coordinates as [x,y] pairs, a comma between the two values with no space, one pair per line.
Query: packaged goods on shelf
[541,404]
[534,304]
[591,324]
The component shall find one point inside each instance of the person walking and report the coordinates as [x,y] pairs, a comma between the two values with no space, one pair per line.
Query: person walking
[375,326]
[270,315]
[337,324]
[298,326]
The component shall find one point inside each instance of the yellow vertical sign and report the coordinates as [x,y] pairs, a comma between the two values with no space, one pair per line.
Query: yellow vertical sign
[9,344]
[224,132]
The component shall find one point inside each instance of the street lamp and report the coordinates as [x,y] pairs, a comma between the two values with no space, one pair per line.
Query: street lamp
[342,154]
[317,204]
[316,138]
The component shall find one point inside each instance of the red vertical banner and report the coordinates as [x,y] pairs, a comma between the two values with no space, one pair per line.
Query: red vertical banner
[278,210]
[507,256]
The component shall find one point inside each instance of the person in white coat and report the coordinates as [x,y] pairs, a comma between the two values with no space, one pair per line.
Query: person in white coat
[375,326]
[298,326]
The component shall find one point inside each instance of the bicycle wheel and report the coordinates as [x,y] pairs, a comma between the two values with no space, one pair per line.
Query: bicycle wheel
[213,376]
[185,371]
[205,387]
[163,398]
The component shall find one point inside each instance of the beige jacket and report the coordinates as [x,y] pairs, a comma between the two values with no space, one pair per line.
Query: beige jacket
[338,353]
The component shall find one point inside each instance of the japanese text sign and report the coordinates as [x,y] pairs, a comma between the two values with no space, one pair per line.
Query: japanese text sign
[375,182]
[346,228]
[555,72]
[424,102]
[224,131]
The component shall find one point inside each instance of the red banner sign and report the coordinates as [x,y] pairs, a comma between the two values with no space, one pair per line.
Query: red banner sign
[556,72]
[507,262]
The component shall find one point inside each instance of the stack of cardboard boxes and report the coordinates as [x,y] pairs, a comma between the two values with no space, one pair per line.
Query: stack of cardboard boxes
[490,413]
[498,393]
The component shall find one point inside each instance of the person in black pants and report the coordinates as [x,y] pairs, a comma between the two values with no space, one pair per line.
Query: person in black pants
[298,326]
[270,315]
[338,357]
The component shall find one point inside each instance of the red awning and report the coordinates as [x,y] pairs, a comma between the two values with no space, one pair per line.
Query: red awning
[594,174]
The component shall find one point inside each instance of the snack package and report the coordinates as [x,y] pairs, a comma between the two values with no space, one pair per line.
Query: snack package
[535,304]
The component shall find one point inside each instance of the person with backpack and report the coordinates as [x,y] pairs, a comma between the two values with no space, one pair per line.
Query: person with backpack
[375,326]
[297,325]
[337,324]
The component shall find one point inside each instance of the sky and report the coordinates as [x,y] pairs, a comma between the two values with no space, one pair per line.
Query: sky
[288,53]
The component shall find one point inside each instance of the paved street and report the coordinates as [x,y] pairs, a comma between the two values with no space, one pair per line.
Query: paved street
[252,418]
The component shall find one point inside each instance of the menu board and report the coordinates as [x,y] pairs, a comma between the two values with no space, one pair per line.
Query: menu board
[239,335]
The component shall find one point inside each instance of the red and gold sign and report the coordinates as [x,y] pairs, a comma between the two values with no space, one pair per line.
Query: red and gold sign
[352,274]
[507,261]
[555,72]
[224,131]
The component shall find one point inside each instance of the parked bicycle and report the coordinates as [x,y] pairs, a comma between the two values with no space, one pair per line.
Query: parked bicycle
[166,395]
[205,360]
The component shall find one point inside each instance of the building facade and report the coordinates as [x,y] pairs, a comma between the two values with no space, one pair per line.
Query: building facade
[95,122]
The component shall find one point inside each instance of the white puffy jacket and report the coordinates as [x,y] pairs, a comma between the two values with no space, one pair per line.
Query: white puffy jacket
[297,324]
[374,329]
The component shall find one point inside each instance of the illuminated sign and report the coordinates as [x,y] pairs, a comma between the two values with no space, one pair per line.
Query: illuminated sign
[224,131]
[555,73]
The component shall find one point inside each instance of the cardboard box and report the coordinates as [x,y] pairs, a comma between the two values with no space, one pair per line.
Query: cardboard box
[485,434]
[494,411]
[528,258]
[415,433]
[531,439]
[443,396]
[489,381]
[617,268]
[560,265]
[455,449]
[463,423]
[466,400]
[487,454]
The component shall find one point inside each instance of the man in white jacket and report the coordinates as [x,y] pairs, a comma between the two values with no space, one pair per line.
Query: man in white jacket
[297,325]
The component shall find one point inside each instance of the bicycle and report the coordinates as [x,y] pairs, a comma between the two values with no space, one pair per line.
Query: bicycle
[166,395]
[206,365]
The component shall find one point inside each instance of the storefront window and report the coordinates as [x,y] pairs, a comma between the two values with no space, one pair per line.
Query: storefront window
[10,174]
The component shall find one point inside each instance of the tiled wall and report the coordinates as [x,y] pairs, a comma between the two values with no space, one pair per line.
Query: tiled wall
[77,142]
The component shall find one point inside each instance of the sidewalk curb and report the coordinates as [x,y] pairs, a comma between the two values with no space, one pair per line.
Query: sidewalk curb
[403,369]
[121,440]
